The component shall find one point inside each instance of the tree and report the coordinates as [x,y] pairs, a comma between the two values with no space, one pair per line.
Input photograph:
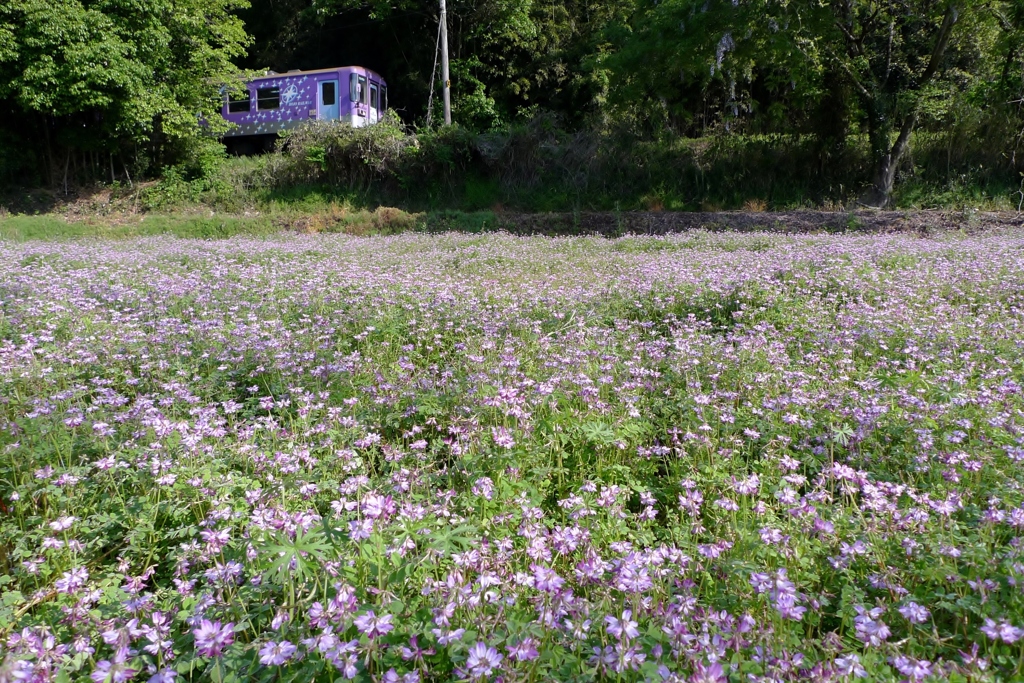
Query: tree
[1009,87]
[895,55]
[510,58]
[99,75]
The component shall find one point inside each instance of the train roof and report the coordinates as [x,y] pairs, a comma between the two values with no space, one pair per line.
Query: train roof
[300,72]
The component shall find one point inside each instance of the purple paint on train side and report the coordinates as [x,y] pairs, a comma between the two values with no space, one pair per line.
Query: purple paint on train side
[278,102]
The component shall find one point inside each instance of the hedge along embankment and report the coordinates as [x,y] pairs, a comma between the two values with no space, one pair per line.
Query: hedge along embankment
[542,167]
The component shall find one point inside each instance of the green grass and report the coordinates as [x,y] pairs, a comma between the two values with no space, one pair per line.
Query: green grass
[324,217]
[461,221]
[49,227]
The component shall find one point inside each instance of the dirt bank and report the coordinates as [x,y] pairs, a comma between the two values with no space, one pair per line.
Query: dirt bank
[662,222]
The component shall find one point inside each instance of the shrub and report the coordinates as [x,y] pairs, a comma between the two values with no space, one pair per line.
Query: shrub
[541,166]
[339,154]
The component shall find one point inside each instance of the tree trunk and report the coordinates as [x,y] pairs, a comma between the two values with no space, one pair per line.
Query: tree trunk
[888,162]
[832,124]
[51,165]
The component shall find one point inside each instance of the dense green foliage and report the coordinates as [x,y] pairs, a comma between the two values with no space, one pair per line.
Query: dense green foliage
[510,58]
[539,166]
[110,92]
[882,66]
[105,84]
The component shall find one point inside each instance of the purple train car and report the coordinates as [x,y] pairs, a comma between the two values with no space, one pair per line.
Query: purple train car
[279,102]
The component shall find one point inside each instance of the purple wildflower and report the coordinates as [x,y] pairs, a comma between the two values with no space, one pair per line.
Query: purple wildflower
[624,628]
[1003,631]
[849,665]
[484,488]
[107,672]
[482,660]
[211,637]
[868,626]
[72,581]
[712,673]
[372,626]
[915,613]
[276,654]
[502,437]
[524,651]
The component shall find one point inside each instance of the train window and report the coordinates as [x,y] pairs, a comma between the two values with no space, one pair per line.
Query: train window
[268,98]
[357,88]
[328,95]
[373,96]
[383,97]
[239,103]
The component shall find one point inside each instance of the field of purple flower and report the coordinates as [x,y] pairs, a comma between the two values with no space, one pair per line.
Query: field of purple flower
[705,457]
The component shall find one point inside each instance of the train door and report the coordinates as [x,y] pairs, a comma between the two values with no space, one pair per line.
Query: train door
[327,108]
[357,87]
[374,102]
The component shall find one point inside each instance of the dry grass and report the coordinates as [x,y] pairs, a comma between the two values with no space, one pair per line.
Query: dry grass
[653,202]
[384,220]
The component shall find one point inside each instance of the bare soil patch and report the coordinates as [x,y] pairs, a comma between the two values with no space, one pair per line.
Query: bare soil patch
[663,222]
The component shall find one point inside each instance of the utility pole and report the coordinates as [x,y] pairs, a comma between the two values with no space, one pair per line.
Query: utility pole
[447,92]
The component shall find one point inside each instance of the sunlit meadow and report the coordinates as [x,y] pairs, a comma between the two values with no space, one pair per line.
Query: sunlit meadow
[700,458]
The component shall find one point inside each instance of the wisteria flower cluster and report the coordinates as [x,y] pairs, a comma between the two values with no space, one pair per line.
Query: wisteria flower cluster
[696,458]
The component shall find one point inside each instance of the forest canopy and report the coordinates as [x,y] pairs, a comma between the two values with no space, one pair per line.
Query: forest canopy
[131,87]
